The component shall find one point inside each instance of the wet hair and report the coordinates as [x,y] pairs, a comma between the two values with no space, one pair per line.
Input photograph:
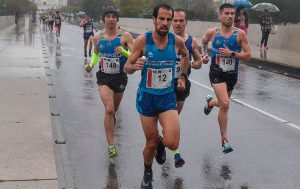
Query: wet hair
[164,6]
[225,5]
[110,10]
[182,10]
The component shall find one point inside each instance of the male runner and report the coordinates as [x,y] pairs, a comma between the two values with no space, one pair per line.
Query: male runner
[88,30]
[179,24]
[57,24]
[111,78]
[51,21]
[154,53]
[229,46]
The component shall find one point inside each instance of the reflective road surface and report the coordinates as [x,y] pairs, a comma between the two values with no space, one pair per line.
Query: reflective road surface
[263,129]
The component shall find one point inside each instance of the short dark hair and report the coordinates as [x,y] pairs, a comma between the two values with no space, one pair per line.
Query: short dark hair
[110,10]
[182,10]
[164,6]
[225,5]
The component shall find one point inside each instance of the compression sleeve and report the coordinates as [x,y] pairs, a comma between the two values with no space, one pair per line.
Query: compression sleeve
[94,60]
[124,52]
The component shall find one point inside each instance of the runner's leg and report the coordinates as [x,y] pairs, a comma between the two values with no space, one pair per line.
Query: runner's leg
[106,95]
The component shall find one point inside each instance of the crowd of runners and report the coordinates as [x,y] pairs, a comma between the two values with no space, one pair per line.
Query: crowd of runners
[165,61]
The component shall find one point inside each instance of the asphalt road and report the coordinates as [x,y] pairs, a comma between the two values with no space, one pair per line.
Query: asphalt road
[263,129]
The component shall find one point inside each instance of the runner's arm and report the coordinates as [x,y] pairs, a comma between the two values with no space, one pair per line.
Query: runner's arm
[205,40]
[126,41]
[82,22]
[134,61]
[246,53]
[182,50]
[196,55]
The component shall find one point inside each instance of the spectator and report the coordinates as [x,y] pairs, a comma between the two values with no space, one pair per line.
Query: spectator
[266,23]
[241,19]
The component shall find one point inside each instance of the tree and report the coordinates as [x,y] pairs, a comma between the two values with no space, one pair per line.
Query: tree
[131,8]
[20,6]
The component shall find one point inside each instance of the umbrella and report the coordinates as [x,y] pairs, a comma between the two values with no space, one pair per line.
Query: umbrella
[242,3]
[262,6]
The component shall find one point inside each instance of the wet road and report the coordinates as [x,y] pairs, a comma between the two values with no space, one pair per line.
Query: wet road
[263,129]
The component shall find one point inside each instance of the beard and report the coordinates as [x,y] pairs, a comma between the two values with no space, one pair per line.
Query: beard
[228,25]
[162,33]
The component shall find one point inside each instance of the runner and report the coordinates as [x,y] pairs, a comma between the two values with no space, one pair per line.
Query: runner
[179,24]
[110,45]
[88,27]
[57,22]
[156,100]
[51,21]
[229,46]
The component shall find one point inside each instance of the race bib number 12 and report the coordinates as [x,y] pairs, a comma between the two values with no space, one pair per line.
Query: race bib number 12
[159,78]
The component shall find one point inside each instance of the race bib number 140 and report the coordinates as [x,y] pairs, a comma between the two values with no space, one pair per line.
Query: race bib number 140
[225,63]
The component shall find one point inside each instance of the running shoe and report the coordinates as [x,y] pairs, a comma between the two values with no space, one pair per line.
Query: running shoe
[178,160]
[207,109]
[147,181]
[160,155]
[112,151]
[226,147]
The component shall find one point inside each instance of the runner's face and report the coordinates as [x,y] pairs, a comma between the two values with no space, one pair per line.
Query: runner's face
[226,17]
[163,21]
[179,23]
[110,21]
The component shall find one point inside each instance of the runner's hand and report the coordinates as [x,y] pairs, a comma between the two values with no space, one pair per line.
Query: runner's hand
[88,68]
[225,51]
[205,59]
[118,50]
[139,65]
[181,83]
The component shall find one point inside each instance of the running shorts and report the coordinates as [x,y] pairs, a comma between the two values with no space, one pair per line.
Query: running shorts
[221,77]
[182,95]
[116,82]
[151,105]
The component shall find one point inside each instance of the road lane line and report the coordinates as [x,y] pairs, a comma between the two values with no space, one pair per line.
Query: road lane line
[252,107]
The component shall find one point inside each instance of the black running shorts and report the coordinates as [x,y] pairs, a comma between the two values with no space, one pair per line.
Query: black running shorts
[220,77]
[182,95]
[116,82]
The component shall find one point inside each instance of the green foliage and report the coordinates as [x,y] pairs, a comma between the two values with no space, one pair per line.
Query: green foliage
[197,9]
[20,6]
[132,8]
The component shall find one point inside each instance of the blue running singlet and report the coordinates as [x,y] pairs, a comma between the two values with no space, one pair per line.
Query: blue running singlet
[88,28]
[110,62]
[188,45]
[222,63]
[158,72]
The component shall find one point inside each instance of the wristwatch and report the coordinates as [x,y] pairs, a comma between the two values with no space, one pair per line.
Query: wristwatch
[232,54]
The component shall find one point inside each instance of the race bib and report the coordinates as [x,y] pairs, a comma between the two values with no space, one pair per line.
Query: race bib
[178,69]
[88,29]
[110,65]
[159,78]
[57,21]
[226,63]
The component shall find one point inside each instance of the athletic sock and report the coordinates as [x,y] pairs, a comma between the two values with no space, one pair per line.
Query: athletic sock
[176,152]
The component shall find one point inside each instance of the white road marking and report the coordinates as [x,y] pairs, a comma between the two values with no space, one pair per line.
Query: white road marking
[252,107]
